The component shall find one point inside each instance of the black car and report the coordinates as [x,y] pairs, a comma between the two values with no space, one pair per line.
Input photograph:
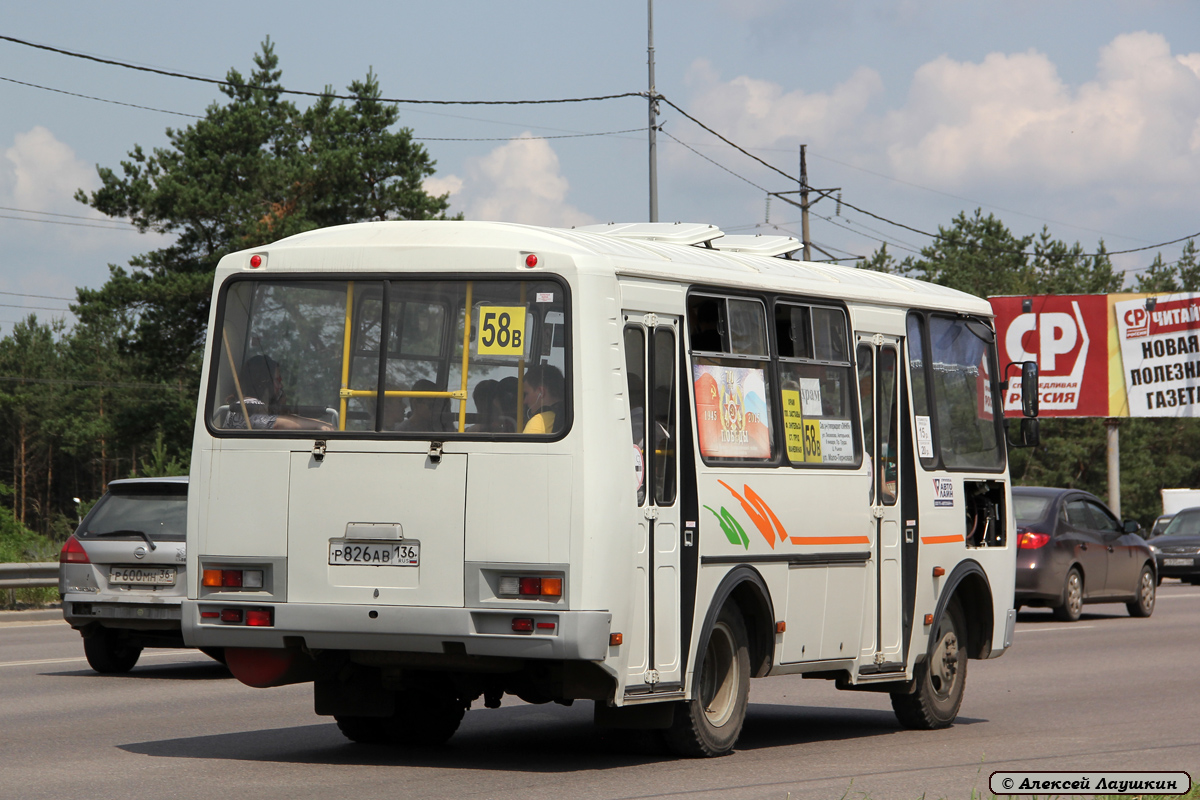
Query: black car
[1177,550]
[1072,551]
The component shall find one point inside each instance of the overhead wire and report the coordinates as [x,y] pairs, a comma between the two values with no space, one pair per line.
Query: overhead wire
[39,296]
[658,97]
[282,90]
[100,99]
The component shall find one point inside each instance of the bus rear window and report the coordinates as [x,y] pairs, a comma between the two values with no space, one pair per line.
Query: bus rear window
[388,357]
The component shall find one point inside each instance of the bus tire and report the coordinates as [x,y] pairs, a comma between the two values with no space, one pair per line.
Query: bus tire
[708,725]
[940,678]
[108,653]
[365,730]
[426,717]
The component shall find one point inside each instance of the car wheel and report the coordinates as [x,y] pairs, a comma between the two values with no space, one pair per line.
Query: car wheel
[708,725]
[1071,608]
[108,653]
[1143,605]
[940,679]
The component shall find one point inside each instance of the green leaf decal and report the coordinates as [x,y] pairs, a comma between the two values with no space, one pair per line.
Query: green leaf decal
[732,528]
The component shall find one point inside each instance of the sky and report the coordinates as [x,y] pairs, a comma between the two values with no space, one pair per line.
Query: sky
[1082,116]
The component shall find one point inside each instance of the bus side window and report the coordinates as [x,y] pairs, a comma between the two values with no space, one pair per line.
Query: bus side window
[662,406]
[866,396]
[635,373]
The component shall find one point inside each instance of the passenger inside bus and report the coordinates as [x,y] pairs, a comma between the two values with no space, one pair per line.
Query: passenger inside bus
[260,394]
[426,413]
[489,411]
[543,399]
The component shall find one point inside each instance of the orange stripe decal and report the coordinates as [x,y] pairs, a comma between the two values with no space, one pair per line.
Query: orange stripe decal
[830,540]
[759,520]
[958,537]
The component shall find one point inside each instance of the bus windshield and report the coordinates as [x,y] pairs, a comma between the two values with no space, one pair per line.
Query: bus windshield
[308,356]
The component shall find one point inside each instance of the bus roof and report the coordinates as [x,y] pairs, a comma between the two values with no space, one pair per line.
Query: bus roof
[631,251]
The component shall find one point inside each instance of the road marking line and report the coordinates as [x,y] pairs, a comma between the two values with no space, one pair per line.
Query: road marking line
[1039,629]
[44,661]
[1172,595]
[32,624]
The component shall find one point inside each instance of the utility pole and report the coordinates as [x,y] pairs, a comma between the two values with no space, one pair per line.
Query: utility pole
[804,203]
[653,113]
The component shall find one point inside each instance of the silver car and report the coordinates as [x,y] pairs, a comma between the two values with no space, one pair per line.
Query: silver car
[122,573]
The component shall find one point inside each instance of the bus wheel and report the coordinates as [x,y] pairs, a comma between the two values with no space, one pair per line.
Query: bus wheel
[708,725]
[107,652]
[940,678]
[426,716]
[365,730]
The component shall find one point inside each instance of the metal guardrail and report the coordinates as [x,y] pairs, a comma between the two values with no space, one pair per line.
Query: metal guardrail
[23,576]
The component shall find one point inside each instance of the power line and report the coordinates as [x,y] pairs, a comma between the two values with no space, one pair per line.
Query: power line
[99,99]
[35,308]
[50,214]
[62,222]
[714,163]
[773,168]
[41,296]
[526,138]
[282,90]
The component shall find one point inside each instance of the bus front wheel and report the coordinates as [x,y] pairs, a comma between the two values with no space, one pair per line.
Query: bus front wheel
[708,725]
[940,678]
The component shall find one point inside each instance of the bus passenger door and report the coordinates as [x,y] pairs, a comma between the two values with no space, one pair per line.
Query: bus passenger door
[879,386]
[651,349]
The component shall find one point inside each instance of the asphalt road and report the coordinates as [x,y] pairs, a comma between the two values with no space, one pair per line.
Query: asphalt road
[1106,693]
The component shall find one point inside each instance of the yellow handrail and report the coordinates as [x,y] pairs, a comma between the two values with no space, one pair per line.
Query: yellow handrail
[345,392]
[521,376]
[462,401]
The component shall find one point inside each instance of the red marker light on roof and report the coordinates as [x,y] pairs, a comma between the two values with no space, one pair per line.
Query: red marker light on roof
[256,261]
[531,260]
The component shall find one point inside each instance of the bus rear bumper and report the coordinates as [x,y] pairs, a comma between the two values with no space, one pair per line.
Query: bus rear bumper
[567,635]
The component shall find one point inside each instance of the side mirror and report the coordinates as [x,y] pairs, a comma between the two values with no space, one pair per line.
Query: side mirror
[1029,388]
[1132,526]
[1022,432]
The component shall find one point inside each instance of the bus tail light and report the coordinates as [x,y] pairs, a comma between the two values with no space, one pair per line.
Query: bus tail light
[260,617]
[529,586]
[232,578]
[72,552]
[233,615]
[522,624]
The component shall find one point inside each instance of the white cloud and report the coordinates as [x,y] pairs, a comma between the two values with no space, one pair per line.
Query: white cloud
[439,185]
[1012,118]
[42,173]
[520,181]
[758,113]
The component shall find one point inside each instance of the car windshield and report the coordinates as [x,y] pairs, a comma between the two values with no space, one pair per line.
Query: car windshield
[1184,523]
[161,516]
[1030,508]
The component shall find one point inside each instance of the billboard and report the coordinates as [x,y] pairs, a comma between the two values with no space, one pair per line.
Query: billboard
[1067,335]
[1114,355]
[1160,354]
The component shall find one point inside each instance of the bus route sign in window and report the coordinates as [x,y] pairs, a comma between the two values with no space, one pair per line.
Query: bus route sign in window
[392,357]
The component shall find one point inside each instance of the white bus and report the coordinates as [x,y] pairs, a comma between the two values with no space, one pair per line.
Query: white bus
[633,464]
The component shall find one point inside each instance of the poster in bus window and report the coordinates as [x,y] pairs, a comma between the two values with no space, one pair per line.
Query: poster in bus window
[731,411]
